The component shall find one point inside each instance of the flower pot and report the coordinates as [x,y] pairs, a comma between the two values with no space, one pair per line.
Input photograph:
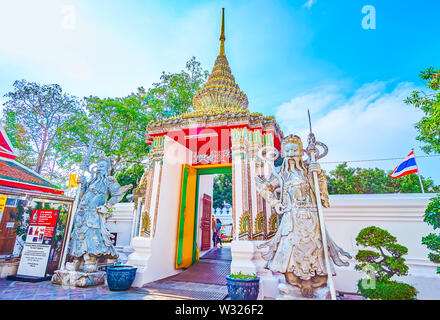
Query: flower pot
[243,289]
[120,277]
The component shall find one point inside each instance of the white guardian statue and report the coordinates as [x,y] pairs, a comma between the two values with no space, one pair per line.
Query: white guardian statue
[296,250]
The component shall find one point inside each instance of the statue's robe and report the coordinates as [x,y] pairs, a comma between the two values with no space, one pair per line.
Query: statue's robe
[297,245]
[89,234]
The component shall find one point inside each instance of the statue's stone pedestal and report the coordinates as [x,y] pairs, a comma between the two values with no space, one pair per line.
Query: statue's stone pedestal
[78,278]
[289,292]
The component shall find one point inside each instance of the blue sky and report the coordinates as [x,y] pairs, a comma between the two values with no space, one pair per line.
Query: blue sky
[287,56]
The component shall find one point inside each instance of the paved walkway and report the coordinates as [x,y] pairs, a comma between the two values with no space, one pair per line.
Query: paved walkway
[165,289]
[205,280]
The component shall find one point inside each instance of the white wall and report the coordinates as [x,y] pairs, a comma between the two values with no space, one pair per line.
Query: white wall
[155,256]
[399,214]
[120,222]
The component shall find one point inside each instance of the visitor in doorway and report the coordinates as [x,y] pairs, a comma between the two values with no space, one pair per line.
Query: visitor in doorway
[218,233]
[214,233]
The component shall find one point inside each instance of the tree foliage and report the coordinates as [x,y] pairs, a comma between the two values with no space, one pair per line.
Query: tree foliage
[222,190]
[33,115]
[131,175]
[174,93]
[347,180]
[432,241]
[118,124]
[429,126]
[386,261]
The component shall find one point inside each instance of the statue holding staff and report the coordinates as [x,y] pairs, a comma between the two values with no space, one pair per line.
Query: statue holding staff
[297,249]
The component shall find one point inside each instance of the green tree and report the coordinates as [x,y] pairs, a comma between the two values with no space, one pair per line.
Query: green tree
[347,180]
[432,241]
[118,124]
[32,116]
[131,175]
[174,93]
[222,190]
[385,262]
[429,126]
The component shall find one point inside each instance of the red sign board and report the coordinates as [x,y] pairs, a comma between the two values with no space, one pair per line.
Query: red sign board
[44,220]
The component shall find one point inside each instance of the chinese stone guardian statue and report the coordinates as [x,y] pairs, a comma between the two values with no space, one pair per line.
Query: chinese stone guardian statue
[296,250]
[90,239]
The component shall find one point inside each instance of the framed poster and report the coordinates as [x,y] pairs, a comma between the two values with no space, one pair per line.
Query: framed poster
[38,243]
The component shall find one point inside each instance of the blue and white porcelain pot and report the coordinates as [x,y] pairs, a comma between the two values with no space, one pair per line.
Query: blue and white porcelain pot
[243,289]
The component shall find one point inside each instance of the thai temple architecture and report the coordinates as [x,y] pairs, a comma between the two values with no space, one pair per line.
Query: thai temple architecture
[219,135]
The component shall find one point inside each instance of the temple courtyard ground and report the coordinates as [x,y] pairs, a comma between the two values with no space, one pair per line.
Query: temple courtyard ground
[205,280]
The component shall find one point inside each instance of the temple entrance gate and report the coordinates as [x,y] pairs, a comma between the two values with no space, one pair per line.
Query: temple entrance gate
[219,133]
[186,253]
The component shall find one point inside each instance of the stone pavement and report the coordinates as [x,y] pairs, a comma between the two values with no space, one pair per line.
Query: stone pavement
[165,289]
[203,281]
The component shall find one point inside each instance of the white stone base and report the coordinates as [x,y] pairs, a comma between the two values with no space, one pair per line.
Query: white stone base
[78,278]
[289,292]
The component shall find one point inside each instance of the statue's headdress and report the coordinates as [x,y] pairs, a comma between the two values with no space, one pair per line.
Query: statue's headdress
[291,139]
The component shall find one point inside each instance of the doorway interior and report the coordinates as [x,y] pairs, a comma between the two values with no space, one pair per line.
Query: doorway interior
[194,231]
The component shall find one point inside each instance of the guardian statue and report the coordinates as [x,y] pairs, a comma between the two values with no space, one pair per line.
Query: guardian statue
[296,250]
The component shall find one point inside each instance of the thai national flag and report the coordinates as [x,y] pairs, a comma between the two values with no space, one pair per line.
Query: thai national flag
[408,166]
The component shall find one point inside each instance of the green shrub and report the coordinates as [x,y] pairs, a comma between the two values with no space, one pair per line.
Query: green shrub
[432,240]
[388,290]
[240,275]
[384,263]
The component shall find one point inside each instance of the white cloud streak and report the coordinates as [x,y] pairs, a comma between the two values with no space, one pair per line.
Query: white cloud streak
[309,4]
[372,123]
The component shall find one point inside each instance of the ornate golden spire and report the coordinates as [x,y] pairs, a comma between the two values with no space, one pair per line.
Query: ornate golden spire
[220,90]
[222,35]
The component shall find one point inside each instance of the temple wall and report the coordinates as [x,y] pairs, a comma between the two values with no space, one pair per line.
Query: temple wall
[120,222]
[155,255]
[400,214]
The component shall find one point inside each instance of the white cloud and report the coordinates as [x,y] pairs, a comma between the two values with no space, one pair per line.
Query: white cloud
[309,4]
[372,123]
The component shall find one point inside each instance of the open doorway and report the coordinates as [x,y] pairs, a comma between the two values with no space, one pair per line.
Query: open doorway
[215,212]
[197,234]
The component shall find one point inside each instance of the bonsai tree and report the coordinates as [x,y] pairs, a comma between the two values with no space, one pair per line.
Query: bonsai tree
[432,240]
[384,262]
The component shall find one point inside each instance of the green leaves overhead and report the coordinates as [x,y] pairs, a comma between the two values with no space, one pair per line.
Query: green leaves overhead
[117,124]
[429,102]
[33,114]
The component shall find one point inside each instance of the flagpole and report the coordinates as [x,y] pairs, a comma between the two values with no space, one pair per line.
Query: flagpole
[418,172]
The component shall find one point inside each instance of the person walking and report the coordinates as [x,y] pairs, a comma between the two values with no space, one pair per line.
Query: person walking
[218,233]
[214,233]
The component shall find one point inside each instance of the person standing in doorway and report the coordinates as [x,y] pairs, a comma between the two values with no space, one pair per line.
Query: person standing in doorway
[214,233]
[218,229]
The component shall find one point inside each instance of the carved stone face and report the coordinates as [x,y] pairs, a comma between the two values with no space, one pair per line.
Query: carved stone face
[101,167]
[292,150]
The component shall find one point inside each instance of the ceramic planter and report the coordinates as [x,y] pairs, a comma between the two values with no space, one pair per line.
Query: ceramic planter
[120,277]
[243,289]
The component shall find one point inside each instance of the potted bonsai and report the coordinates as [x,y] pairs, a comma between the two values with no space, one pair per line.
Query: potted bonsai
[243,286]
[382,265]
[120,277]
